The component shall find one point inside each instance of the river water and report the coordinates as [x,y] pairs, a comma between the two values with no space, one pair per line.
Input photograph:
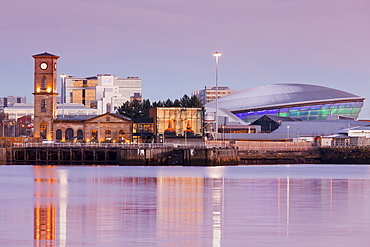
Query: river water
[279,205]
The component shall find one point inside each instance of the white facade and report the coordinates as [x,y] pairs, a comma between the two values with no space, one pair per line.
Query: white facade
[11,100]
[107,92]
[208,94]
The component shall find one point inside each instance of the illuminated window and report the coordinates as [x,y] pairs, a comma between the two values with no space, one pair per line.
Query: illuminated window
[108,135]
[121,135]
[43,129]
[94,135]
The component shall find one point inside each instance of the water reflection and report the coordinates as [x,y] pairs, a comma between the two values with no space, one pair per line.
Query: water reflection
[102,206]
[45,211]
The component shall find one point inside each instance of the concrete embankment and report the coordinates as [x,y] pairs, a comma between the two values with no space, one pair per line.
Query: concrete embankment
[116,155]
[170,155]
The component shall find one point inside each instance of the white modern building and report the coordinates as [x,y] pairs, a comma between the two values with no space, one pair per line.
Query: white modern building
[208,94]
[103,92]
[11,100]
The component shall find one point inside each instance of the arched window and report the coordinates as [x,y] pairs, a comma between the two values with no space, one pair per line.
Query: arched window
[69,134]
[43,129]
[43,83]
[80,135]
[108,135]
[94,135]
[121,135]
[43,105]
[58,134]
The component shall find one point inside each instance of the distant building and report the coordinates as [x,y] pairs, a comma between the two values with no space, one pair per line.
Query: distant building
[66,110]
[11,100]
[177,122]
[208,94]
[104,92]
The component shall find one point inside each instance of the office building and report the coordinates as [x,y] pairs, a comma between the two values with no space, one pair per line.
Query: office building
[11,100]
[208,94]
[104,92]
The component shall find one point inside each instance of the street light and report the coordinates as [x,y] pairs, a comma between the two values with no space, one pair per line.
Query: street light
[63,91]
[216,55]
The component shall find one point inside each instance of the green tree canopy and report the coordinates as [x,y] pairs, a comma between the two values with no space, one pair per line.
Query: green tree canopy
[136,109]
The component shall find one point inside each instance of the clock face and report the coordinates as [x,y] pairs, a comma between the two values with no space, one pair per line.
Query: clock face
[43,65]
[55,66]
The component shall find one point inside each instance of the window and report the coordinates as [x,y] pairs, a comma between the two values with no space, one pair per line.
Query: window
[58,134]
[43,129]
[108,135]
[69,134]
[94,135]
[80,135]
[43,105]
[121,135]
[43,83]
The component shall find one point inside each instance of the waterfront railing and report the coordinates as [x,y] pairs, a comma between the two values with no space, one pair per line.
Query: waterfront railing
[252,146]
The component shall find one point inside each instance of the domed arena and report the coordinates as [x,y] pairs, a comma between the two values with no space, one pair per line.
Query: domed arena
[303,101]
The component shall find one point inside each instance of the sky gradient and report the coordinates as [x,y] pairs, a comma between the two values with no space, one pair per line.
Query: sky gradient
[169,44]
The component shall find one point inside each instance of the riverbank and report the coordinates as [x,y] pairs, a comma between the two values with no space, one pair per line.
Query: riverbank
[153,154]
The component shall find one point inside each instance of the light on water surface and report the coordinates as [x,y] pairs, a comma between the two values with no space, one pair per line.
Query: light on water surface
[296,205]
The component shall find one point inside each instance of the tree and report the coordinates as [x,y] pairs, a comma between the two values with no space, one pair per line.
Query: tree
[137,109]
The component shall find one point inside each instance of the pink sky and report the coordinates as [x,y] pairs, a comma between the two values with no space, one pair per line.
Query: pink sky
[169,44]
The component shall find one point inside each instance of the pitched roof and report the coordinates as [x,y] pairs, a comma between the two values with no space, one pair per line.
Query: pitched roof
[45,54]
[276,119]
[112,114]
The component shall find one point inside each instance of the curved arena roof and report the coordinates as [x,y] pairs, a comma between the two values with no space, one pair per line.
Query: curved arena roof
[280,94]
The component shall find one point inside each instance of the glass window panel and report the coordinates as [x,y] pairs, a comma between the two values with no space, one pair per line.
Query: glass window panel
[284,110]
[274,111]
[315,107]
[283,114]
[344,111]
[356,110]
[303,113]
[325,112]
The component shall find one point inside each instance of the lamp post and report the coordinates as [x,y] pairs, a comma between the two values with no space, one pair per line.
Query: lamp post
[216,55]
[288,127]
[63,91]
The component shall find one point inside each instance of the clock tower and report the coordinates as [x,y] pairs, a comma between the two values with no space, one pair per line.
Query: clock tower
[45,94]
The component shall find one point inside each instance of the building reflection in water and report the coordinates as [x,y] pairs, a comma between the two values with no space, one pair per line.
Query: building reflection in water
[50,190]
[192,211]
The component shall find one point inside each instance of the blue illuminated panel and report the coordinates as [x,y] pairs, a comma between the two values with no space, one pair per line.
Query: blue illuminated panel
[314,112]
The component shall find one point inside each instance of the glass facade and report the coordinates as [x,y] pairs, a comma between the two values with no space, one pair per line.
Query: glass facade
[312,112]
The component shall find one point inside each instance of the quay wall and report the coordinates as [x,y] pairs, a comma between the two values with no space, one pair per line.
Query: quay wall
[38,154]
[115,155]
[151,155]
[345,155]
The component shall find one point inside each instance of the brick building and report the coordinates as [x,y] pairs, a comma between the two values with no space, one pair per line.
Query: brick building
[107,127]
